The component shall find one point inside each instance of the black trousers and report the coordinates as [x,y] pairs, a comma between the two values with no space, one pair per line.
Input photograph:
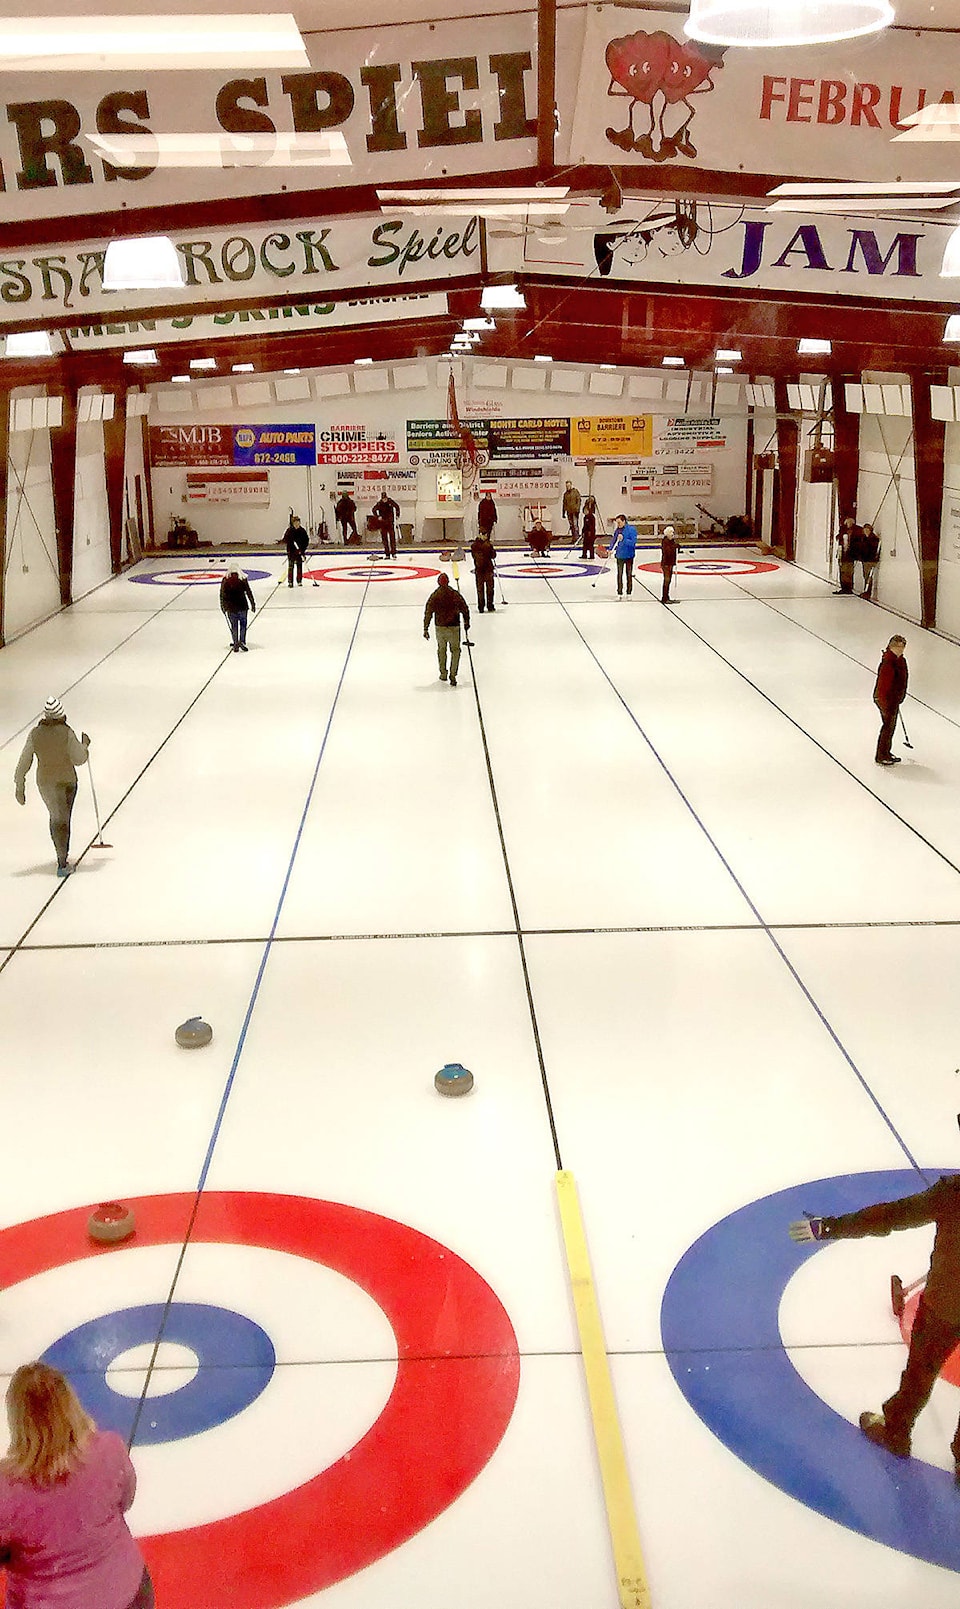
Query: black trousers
[388,535]
[59,798]
[294,563]
[587,541]
[887,730]
[667,578]
[931,1342]
[347,523]
[625,566]
[484,590]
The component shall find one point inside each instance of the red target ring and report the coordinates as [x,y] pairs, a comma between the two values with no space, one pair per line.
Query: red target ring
[359,576]
[457,1380]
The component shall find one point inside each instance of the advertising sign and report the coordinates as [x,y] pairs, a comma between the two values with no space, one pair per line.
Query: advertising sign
[231,446]
[827,111]
[250,487]
[662,480]
[528,438]
[688,435]
[285,320]
[351,444]
[439,436]
[612,436]
[368,485]
[540,484]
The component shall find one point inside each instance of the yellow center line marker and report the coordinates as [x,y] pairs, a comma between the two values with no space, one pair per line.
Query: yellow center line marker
[614,1473]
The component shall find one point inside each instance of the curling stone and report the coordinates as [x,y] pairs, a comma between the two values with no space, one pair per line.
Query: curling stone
[454,1079]
[193,1033]
[111,1222]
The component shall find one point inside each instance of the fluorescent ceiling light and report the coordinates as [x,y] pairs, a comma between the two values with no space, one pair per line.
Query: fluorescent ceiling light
[29,344]
[950,267]
[291,371]
[494,296]
[477,194]
[242,368]
[181,379]
[326,149]
[854,204]
[722,370]
[203,363]
[143,355]
[726,354]
[607,365]
[784,22]
[484,209]
[673,363]
[541,359]
[150,43]
[149,262]
[810,347]
[941,121]
[479,323]
[359,361]
[952,331]
[897,187]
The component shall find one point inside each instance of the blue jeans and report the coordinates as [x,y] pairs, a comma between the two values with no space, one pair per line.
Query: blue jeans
[238,625]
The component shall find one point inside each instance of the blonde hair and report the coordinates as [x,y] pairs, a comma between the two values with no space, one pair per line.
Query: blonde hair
[49,1430]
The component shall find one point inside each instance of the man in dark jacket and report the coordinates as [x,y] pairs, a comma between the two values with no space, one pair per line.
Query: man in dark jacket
[484,554]
[296,541]
[386,512]
[888,694]
[486,515]
[869,558]
[445,606]
[58,751]
[848,540]
[345,513]
[668,560]
[936,1326]
[235,599]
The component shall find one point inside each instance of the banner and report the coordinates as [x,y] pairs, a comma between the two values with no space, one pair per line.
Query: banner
[528,438]
[250,487]
[439,436]
[703,244]
[646,93]
[664,480]
[412,101]
[299,260]
[213,446]
[687,435]
[521,485]
[273,320]
[612,436]
[351,444]
[369,485]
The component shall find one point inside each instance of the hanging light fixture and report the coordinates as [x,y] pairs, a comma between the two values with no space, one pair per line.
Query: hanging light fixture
[784,22]
[150,262]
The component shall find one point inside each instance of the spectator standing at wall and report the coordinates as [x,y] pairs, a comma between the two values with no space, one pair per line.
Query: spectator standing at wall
[588,526]
[486,515]
[848,540]
[445,607]
[571,509]
[296,542]
[386,512]
[65,1487]
[624,551]
[668,560]
[484,554]
[236,600]
[869,558]
[58,751]
[345,514]
[888,694]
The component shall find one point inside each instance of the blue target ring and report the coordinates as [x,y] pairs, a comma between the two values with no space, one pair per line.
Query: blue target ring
[236,1362]
[193,578]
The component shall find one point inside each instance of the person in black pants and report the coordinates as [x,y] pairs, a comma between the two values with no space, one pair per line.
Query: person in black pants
[484,554]
[668,560]
[936,1326]
[345,514]
[386,513]
[869,558]
[888,694]
[235,600]
[486,515]
[848,541]
[296,541]
[588,526]
[58,751]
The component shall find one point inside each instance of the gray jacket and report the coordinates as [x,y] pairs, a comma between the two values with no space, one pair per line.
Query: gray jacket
[57,750]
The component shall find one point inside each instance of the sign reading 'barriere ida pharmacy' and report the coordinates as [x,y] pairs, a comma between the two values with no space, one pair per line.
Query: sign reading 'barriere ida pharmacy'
[302,259]
[649,94]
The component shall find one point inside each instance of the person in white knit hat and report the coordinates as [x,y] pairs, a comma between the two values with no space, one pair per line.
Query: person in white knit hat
[58,751]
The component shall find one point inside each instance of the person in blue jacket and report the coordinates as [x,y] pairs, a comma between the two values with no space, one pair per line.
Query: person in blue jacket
[625,547]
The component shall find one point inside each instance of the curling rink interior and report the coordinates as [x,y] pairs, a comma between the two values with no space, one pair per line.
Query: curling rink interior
[640,874]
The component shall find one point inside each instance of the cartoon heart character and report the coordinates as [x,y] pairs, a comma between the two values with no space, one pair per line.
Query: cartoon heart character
[658,72]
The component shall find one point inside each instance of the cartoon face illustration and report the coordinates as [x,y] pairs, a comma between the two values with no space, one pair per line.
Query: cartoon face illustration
[659,73]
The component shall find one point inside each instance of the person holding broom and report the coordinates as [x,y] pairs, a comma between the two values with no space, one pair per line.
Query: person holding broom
[58,751]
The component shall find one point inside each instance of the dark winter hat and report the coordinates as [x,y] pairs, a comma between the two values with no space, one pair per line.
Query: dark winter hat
[53,710]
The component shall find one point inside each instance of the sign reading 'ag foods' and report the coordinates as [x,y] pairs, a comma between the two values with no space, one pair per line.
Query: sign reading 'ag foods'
[246,262]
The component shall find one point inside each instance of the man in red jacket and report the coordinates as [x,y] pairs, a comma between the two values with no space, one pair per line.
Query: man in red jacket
[888,694]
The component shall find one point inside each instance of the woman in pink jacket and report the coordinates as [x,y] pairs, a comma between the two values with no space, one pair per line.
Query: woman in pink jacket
[64,1489]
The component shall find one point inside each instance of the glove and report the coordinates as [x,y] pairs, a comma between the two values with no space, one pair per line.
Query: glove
[21,796]
[426,636]
[803,1230]
[85,740]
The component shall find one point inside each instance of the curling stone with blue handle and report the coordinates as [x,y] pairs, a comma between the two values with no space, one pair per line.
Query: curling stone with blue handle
[454,1079]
